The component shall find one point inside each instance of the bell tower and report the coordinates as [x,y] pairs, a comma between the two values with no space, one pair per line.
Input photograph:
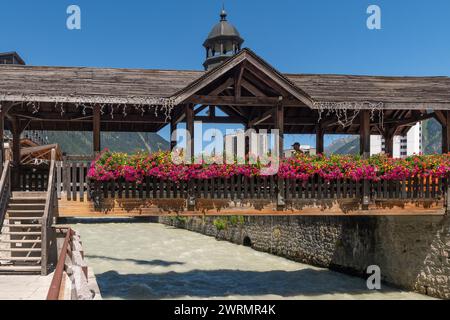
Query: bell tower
[223,42]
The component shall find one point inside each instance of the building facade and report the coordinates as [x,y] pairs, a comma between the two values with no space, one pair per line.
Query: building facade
[405,145]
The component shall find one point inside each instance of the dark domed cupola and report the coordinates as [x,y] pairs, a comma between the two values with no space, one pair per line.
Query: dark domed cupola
[223,42]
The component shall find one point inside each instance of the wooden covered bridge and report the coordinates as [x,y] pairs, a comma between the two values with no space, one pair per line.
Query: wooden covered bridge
[250,92]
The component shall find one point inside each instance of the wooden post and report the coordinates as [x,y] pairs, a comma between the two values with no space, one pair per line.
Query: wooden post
[389,144]
[365,153]
[365,134]
[279,124]
[173,127]
[2,140]
[16,131]
[247,140]
[96,129]
[319,139]
[446,133]
[190,152]
[190,147]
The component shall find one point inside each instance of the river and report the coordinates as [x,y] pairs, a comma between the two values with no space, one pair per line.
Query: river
[154,261]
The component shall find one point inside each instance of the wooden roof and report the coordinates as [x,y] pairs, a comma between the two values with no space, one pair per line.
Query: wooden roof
[90,85]
[140,86]
[393,92]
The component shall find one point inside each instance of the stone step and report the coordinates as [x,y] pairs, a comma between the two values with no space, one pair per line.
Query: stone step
[20,269]
[21,250]
[25,233]
[28,259]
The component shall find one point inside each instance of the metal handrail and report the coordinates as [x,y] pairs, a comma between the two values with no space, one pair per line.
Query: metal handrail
[5,190]
[55,286]
[50,204]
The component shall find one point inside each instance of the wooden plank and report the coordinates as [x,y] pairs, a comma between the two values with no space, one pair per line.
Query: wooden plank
[119,188]
[416,187]
[421,188]
[155,187]
[141,190]
[133,189]
[112,189]
[66,179]
[127,189]
[409,188]
[82,186]
[58,178]
[147,186]
[403,189]
[88,188]
[432,187]
[73,179]
[252,187]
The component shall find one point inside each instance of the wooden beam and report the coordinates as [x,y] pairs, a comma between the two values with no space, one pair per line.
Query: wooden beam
[228,83]
[212,111]
[173,127]
[232,112]
[411,121]
[279,120]
[96,129]
[252,89]
[440,117]
[243,101]
[388,135]
[446,133]
[16,132]
[365,133]
[266,115]
[280,126]
[224,120]
[319,139]
[190,147]
[237,82]
[2,139]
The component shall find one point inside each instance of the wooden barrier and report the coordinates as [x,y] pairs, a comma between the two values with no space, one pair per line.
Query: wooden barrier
[266,188]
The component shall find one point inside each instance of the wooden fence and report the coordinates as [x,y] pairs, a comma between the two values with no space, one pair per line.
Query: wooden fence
[270,188]
[72,184]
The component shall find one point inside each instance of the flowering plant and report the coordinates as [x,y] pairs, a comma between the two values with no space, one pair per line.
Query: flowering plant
[109,166]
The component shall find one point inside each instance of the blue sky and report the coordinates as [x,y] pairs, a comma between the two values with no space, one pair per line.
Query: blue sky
[295,36]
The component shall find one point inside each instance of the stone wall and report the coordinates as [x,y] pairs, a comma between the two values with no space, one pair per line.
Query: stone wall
[412,251]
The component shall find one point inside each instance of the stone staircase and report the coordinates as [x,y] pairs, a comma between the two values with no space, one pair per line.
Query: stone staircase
[20,236]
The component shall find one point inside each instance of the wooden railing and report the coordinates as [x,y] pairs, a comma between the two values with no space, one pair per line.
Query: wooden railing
[30,178]
[72,184]
[71,180]
[55,286]
[240,187]
[50,211]
[5,190]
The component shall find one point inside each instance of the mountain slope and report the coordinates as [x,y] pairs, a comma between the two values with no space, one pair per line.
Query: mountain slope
[80,143]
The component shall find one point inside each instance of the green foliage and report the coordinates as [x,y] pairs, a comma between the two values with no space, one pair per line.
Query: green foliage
[224,222]
[236,220]
[220,224]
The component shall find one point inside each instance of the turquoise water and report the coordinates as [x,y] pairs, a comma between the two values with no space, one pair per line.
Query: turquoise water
[154,261]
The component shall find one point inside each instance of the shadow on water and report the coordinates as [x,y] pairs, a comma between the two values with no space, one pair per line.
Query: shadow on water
[161,263]
[223,283]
